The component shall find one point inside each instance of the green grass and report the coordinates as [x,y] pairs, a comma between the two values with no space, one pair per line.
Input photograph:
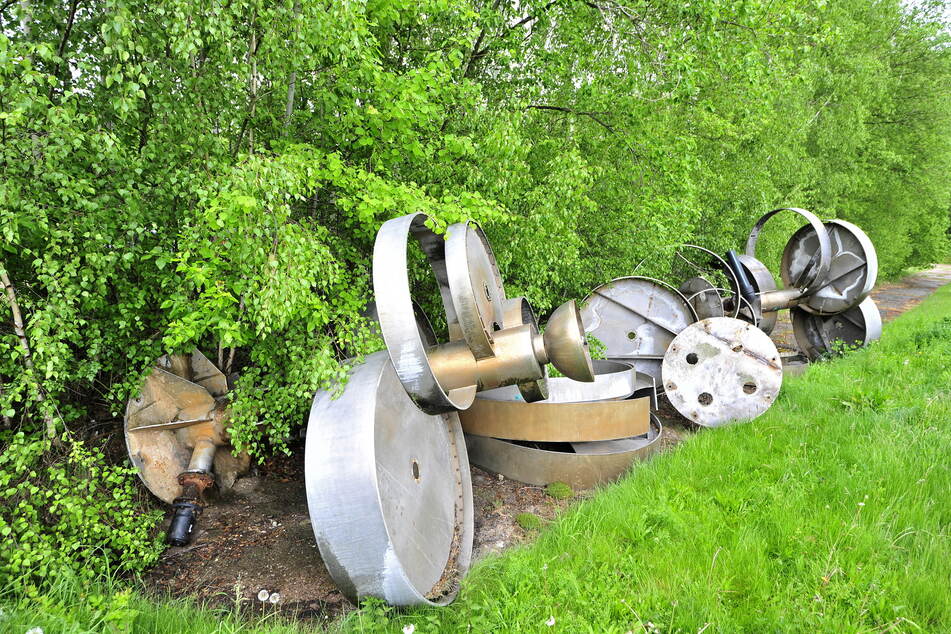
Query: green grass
[829,513]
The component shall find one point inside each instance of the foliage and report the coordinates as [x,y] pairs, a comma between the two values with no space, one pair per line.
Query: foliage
[68,513]
[559,490]
[824,514]
[528,521]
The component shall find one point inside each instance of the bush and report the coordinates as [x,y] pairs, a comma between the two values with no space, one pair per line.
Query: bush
[66,512]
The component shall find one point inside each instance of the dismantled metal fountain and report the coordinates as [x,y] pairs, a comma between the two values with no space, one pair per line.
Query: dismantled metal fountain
[387,459]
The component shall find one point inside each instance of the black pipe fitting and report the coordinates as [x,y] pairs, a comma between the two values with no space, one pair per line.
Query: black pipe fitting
[183,521]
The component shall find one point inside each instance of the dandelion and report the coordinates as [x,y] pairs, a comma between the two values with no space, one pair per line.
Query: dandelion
[275,597]
[861,503]
[550,621]
[263,596]
[35,630]
[409,629]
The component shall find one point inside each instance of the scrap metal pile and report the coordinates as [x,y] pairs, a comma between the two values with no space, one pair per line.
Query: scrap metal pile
[387,458]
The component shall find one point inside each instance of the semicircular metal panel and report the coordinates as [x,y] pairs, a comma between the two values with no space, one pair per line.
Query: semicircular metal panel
[581,465]
[819,335]
[636,318]
[388,490]
[722,370]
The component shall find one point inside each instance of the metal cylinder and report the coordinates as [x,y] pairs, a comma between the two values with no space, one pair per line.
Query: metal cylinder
[203,456]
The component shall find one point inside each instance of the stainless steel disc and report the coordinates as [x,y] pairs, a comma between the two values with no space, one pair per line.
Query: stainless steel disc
[819,335]
[582,465]
[852,271]
[475,286]
[703,296]
[388,490]
[800,267]
[397,318]
[636,318]
[722,370]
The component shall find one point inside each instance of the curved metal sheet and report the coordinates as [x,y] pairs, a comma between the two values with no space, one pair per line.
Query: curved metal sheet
[557,422]
[613,380]
[714,264]
[722,370]
[394,304]
[388,490]
[800,268]
[763,282]
[580,465]
[819,335]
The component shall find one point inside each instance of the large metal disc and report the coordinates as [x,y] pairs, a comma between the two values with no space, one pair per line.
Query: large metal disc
[636,318]
[722,370]
[800,268]
[175,398]
[582,465]
[397,318]
[475,285]
[819,335]
[388,490]
[852,272]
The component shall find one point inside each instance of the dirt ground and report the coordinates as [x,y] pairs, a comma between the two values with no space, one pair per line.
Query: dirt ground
[257,537]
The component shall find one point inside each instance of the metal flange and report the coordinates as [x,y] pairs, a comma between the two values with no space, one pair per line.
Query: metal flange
[388,490]
[800,268]
[722,370]
[582,465]
[636,318]
[819,335]
[852,272]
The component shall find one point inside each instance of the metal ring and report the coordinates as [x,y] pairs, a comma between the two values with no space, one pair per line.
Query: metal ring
[394,304]
[720,265]
[817,335]
[819,263]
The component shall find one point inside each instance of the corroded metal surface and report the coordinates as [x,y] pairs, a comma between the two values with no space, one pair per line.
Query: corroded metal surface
[582,465]
[636,318]
[722,370]
[819,335]
[388,490]
[177,415]
[557,422]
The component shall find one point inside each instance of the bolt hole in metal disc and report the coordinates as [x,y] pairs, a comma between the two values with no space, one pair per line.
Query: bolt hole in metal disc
[475,286]
[653,311]
[388,490]
[736,375]
[852,271]
[819,335]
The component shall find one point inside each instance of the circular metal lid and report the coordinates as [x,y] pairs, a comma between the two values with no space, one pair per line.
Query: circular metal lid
[636,318]
[388,490]
[475,286]
[722,370]
[852,271]
[819,335]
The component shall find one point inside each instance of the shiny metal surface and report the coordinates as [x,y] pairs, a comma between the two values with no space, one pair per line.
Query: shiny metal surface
[475,286]
[703,296]
[636,318]
[557,422]
[800,267]
[722,370]
[819,335]
[565,344]
[582,465]
[394,303]
[763,282]
[852,272]
[613,380]
[388,490]
[691,261]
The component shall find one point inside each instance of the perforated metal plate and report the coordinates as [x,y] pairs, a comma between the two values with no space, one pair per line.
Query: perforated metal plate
[636,318]
[388,490]
[819,335]
[722,370]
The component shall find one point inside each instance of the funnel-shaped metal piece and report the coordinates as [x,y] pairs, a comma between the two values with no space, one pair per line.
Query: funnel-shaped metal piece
[565,344]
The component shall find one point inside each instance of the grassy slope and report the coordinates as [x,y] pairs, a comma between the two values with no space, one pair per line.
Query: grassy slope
[828,513]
